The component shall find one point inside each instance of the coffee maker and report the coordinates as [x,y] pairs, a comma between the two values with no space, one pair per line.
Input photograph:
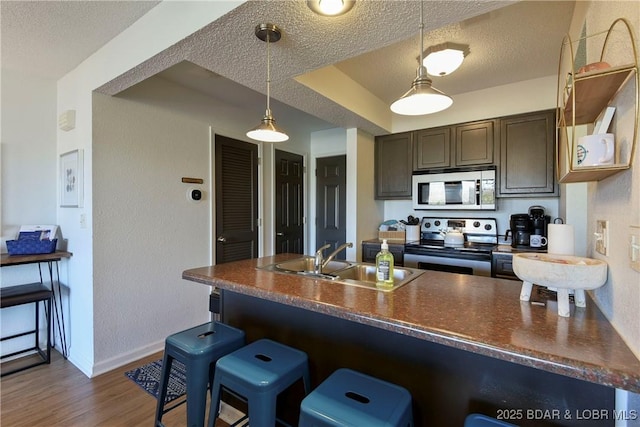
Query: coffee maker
[539,221]
[520,230]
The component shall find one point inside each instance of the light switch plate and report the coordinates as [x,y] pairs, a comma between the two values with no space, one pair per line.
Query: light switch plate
[602,237]
[634,248]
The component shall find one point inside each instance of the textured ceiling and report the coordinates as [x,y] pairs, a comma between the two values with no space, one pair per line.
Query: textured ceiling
[50,38]
[375,45]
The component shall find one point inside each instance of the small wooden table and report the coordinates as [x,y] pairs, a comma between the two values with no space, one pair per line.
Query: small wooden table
[51,260]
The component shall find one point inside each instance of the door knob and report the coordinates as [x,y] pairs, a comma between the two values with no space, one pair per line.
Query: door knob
[279,234]
[221,239]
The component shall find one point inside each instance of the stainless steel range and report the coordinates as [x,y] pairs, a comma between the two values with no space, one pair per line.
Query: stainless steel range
[441,248]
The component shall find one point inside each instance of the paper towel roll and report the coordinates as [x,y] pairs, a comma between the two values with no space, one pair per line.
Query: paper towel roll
[561,239]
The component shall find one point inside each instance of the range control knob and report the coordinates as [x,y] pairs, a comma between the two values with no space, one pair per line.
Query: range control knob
[487,227]
[476,224]
[427,225]
[437,223]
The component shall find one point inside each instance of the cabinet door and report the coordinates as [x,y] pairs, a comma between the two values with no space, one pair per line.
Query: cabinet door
[432,148]
[394,165]
[474,143]
[370,250]
[527,166]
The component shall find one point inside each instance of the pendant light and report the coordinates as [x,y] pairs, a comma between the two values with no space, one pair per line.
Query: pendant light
[422,98]
[267,131]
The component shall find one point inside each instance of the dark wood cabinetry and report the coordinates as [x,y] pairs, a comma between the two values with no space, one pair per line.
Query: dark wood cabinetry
[432,149]
[521,146]
[394,165]
[502,266]
[468,144]
[371,248]
[474,143]
[527,166]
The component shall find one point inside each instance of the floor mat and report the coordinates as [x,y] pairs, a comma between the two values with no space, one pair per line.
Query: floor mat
[148,378]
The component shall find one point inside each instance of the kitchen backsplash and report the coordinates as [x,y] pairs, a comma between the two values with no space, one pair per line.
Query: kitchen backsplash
[400,209]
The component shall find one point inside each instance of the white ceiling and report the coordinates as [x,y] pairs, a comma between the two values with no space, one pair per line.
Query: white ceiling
[375,44]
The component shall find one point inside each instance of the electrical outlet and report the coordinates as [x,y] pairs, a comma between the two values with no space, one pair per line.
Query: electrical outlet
[602,237]
[634,248]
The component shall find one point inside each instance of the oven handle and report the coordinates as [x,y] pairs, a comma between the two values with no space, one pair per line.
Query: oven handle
[480,268]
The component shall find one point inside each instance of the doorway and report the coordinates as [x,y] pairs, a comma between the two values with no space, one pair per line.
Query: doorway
[236,187]
[331,202]
[289,204]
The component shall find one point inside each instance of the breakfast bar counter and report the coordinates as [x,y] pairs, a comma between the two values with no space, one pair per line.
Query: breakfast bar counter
[478,325]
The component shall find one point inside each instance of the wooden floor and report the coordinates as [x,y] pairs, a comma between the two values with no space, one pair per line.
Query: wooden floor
[59,394]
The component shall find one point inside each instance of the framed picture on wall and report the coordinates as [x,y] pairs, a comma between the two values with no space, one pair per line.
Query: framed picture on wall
[71,177]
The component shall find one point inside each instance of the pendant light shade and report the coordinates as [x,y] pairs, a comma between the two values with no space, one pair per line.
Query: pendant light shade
[445,58]
[267,131]
[422,98]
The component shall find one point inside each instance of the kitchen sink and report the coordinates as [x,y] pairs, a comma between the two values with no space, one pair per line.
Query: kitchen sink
[305,264]
[347,273]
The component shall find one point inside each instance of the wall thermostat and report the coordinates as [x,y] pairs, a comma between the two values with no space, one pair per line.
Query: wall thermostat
[194,194]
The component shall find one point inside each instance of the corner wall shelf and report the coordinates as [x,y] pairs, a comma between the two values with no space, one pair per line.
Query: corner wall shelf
[582,97]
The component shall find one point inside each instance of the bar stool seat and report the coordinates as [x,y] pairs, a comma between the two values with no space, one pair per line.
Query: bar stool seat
[350,398]
[479,420]
[259,372]
[198,348]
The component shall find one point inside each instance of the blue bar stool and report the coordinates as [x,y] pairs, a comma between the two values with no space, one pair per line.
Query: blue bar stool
[259,372]
[479,420]
[350,398]
[198,348]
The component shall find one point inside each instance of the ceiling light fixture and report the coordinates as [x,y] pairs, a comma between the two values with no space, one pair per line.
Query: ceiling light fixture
[330,7]
[422,98]
[267,131]
[445,58]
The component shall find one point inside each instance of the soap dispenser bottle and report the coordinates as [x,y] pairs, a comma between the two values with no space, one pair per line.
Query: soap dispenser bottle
[384,266]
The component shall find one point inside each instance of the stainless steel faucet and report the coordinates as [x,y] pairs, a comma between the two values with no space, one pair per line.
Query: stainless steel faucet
[321,262]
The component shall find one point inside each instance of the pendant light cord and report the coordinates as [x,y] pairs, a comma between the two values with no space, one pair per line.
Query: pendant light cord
[421,67]
[268,74]
[421,32]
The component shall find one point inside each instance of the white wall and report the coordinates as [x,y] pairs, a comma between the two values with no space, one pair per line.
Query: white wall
[617,198]
[146,231]
[169,22]
[28,180]
[364,213]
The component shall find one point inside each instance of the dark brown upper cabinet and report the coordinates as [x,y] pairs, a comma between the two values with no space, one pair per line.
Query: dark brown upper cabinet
[474,143]
[467,144]
[527,156]
[394,165]
[432,148]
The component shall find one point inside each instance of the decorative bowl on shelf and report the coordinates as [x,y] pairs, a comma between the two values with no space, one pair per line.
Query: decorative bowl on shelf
[594,66]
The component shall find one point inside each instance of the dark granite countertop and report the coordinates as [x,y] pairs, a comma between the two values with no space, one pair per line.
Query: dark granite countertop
[473,313]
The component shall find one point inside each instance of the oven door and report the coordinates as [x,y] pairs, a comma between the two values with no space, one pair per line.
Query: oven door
[451,265]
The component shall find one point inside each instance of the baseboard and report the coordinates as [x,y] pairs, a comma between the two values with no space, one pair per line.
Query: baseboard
[123,359]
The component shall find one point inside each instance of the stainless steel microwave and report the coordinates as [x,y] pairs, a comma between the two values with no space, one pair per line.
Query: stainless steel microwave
[455,190]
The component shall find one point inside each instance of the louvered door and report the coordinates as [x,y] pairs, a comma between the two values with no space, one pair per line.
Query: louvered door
[236,207]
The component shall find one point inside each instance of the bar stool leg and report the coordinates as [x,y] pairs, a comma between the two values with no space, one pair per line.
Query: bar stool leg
[167,362]
[262,411]
[196,399]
